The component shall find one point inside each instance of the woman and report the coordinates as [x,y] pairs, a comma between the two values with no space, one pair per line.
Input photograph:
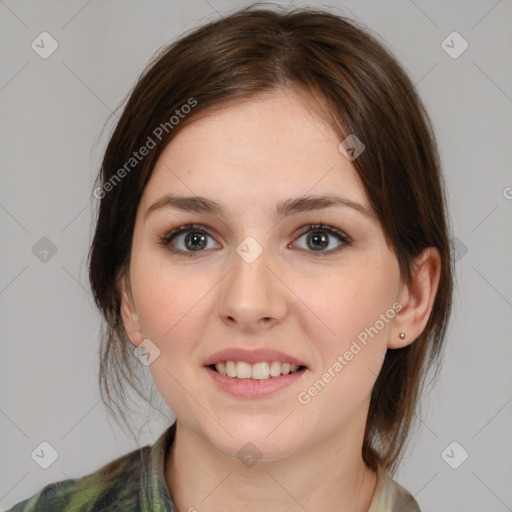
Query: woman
[272,242]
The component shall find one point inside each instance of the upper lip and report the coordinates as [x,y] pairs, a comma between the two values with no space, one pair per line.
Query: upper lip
[252,356]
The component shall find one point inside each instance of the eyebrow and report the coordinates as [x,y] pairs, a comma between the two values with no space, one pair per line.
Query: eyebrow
[283,209]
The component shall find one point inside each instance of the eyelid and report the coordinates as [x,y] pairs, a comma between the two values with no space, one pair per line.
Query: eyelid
[323,226]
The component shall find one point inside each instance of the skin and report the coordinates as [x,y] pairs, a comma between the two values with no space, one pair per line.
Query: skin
[248,157]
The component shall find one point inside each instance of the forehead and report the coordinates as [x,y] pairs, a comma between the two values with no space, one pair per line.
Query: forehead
[253,152]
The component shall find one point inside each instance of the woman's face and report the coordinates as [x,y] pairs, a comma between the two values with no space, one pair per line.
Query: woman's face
[256,280]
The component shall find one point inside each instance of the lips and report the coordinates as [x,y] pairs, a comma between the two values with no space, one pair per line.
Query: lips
[252,356]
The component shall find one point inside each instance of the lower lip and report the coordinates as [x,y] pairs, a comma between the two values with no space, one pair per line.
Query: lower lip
[253,388]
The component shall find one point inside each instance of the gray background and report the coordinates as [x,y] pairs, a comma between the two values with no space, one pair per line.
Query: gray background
[53,111]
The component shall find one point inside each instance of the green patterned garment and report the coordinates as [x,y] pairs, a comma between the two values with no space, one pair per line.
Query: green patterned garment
[136,482]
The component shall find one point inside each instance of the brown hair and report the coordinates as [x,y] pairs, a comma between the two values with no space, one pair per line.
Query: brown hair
[357,87]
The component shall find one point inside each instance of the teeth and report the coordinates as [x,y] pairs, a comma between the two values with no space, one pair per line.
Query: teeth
[258,371]
[243,370]
[230,369]
[275,369]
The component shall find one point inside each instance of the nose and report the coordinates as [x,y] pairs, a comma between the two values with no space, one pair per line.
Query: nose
[252,295]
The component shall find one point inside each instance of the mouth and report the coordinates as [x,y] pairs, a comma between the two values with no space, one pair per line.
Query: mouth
[264,370]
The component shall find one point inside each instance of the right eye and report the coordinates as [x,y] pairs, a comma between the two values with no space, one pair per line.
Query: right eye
[196,239]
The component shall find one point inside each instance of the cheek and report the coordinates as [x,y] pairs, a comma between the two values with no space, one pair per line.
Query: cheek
[351,338]
[173,309]
[355,304]
[174,304]
[167,295]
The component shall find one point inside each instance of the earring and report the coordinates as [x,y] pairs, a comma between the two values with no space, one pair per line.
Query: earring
[402,335]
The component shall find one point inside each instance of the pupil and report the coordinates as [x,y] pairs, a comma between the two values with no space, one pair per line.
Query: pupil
[316,236]
[195,237]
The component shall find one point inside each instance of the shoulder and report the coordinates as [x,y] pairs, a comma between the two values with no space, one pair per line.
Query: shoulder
[390,496]
[113,487]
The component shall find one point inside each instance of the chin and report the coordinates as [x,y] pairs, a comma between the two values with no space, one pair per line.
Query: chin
[253,442]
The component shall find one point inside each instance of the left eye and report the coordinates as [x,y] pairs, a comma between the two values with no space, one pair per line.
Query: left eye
[317,239]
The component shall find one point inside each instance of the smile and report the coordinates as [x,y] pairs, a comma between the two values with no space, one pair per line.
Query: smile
[258,371]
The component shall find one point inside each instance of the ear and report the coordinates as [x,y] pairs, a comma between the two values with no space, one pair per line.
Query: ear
[417,298]
[128,312]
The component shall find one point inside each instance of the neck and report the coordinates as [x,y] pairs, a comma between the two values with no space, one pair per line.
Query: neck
[327,476]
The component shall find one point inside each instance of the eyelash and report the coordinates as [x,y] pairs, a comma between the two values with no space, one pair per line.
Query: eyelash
[166,239]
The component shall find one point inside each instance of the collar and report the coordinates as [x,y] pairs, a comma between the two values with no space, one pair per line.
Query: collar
[155,495]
